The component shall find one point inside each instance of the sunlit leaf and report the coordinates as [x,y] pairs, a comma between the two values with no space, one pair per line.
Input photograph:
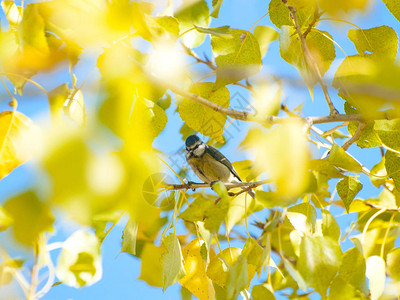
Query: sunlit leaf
[237,277]
[13,12]
[378,173]
[129,237]
[17,136]
[262,292]
[380,41]
[393,263]
[265,35]
[79,263]
[320,48]
[280,15]
[352,269]
[319,261]
[172,261]
[392,165]
[31,217]
[196,280]
[393,7]
[152,270]
[236,58]
[330,227]
[341,159]
[192,13]
[216,7]
[201,118]
[341,5]
[303,217]
[347,189]
[376,275]
[388,132]
[5,219]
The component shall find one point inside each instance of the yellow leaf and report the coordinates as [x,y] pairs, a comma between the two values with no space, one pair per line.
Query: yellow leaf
[151,270]
[17,138]
[196,280]
[219,266]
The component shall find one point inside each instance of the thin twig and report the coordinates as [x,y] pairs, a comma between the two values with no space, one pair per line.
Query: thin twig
[355,137]
[228,186]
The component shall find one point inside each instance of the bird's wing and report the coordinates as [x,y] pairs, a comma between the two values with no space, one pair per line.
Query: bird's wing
[221,158]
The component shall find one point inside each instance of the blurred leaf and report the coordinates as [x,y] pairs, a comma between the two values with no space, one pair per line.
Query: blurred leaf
[392,165]
[265,35]
[274,199]
[129,237]
[204,209]
[393,263]
[376,275]
[57,97]
[378,173]
[347,189]
[31,217]
[13,12]
[380,41]
[185,294]
[393,7]
[203,119]
[342,290]
[352,270]
[319,261]
[216,7]
[5,219]
[238,208]
[388,132]
[152,270]
[18,137]
[172,261]
[341,159]
[192,13]
[74,107]
[196,280]
[236,58]
[287,162]
[341,5]
[262,292]
[79,263]
[321,49]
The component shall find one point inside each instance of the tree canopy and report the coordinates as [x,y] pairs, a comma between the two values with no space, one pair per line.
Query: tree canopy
[129,70]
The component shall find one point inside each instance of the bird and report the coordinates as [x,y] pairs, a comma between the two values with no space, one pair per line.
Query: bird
[209,164]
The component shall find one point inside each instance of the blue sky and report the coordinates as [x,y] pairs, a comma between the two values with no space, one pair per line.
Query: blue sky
[120,272]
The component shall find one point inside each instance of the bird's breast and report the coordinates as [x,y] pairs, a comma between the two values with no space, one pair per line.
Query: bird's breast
[209,169]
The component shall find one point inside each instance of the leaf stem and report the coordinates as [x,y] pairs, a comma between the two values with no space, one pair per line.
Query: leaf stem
[355,137]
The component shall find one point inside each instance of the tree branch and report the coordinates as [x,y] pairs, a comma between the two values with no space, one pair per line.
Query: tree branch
[355,137]
[193,185]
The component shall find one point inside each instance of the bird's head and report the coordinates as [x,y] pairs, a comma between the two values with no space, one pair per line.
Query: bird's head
[194,146]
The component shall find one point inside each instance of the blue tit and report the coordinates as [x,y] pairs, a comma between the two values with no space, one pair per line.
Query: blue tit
[209,164]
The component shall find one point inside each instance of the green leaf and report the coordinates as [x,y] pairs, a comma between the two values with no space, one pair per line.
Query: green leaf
[330,228]
[381,41]
[341,159]
[222,31]
[216,7]
[378,174]
[392,165]
[172,261]
[303,217]
[393,7]
[237,277]
[18,137]
[204,119]
[265,35]
[280,15]
[341,290]
[347,189]
[129,236]
[393,263]
[295,275]
[352,269]
[57,97]
[238,208]
[320,47]
[376,275]
[31,217]
[189,14]
[185,294]
[319,261]
[205,209]
[79,263]
[388,132]
[236,58]
[262,292]
[368,137]
[151,270]
[5,219]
